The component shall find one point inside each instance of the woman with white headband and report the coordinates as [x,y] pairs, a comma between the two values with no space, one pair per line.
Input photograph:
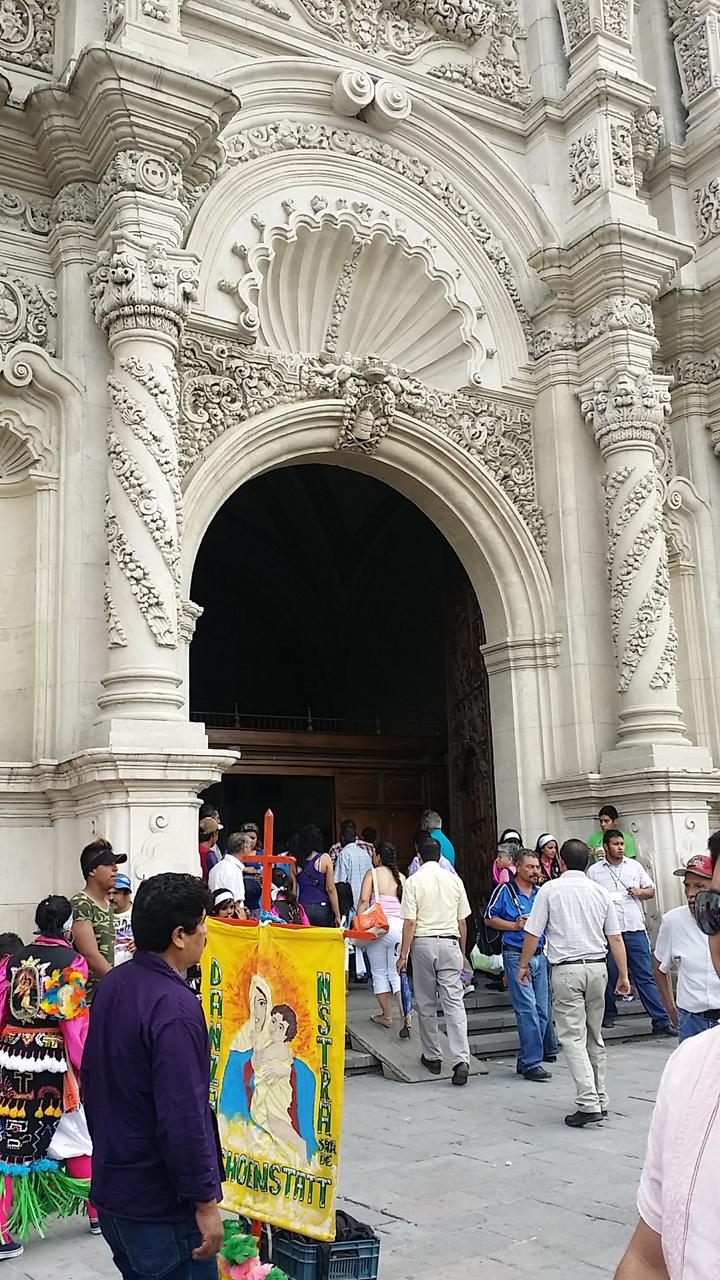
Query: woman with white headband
[547,852]
[45,1146]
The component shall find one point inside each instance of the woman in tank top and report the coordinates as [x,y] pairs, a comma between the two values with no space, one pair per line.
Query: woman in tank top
[383,953]
[315,881]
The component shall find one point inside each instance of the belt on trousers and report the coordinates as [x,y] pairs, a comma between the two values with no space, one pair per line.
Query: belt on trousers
[452,937]
[712,1015]
[538,951]
[559,963]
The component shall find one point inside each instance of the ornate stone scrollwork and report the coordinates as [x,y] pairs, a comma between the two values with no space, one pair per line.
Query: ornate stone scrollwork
[582,17]
[140,171]
[648,136]
[627,415]
[27,215]
[621,150]
[139,286]
[224,386]
[75,202]
[26,313]
[706,202]
[27,33]
[692,47]
[584,163]
[288,136]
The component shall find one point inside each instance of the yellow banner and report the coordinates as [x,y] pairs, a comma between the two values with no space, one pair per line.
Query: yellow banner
[274,999]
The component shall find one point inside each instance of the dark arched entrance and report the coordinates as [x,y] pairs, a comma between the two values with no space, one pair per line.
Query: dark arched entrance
[339,651]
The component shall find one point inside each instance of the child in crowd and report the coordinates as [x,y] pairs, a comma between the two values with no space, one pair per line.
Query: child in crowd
[121,898]
[503,866]
[285,904]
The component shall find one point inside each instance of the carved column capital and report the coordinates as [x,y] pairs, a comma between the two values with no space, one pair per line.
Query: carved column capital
[627,409]
[137,286]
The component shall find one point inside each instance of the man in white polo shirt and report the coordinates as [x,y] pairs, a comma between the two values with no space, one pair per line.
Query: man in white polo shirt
[435,910]
[228,872]
[681,946]
[579,921]
[629,885]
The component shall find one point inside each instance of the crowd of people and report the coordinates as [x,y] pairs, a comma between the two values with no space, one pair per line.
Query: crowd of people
[98,1057]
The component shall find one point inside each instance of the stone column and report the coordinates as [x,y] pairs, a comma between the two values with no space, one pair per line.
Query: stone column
[141,294]
[626,413]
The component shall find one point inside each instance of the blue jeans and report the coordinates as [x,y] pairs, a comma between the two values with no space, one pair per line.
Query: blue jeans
[637,946]
[691,1024]
[156,1250]
[530,1005]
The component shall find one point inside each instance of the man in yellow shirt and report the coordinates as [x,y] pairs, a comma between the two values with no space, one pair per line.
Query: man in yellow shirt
[435,910]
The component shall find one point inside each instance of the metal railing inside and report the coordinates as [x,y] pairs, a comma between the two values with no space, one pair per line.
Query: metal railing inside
[309,722]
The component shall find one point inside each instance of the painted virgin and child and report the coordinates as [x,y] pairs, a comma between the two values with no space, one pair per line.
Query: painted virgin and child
[266,1090]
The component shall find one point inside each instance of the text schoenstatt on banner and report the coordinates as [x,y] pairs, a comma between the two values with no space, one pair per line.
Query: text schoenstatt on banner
[274,999]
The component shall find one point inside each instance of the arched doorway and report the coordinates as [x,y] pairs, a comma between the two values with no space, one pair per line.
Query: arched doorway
[339,651]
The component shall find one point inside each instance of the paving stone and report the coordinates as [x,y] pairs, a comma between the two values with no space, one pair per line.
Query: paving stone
[485,1181]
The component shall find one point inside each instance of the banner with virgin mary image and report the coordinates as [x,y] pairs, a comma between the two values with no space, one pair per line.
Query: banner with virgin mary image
[274,999]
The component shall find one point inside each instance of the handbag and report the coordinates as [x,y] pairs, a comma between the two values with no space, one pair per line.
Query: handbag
[373,920]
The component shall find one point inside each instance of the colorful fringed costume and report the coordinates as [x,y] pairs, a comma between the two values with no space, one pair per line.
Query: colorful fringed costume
[238,1259]
[43,1026]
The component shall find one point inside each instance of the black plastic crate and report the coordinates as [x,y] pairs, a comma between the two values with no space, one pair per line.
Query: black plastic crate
[349,1259]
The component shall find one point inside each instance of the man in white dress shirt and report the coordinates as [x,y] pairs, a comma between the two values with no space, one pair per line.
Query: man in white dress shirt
[681,946]
[228,872]
[629,885]
[579,920]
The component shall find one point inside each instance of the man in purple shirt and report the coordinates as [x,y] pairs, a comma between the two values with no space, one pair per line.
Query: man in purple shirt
[157,1165]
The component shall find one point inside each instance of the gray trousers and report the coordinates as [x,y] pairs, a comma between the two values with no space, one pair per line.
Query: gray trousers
[437,964]
[579,997]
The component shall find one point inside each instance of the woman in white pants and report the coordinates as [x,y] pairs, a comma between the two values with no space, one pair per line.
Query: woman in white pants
[383,953]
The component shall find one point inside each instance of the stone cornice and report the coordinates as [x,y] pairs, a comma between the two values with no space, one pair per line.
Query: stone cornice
[117,102]
[611,259]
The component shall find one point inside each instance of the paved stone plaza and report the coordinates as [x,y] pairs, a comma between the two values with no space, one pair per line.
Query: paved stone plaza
[484,1181]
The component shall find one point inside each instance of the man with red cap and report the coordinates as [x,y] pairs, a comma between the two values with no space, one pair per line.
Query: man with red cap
[681,947]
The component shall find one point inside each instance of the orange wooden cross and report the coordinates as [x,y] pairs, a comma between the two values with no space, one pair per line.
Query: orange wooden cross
[267,860]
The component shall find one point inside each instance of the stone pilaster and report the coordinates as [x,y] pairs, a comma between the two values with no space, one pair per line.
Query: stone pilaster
[696,35]
[626,412]
[140,295]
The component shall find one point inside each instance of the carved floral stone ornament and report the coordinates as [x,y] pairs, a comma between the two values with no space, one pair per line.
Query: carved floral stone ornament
[27,33]
[224,386]
[24,214]
[648,136]
[26,313]
[706,202]
[584,163]
[580,18]
[628,408]
[140,171]
[621,151]
[143,287]
[690,28]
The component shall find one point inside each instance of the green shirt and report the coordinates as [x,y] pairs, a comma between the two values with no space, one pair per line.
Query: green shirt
[103,926]
[596,839]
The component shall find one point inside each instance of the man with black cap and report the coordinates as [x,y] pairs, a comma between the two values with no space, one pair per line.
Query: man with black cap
[93,917]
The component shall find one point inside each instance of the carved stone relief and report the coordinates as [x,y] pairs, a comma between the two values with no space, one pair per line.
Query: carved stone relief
[140,171]
[692,50]
[584,165]
[616,313]
[630,410]
[706,202]
[621,149]
[26,313]
[648,136]
[582,17]
[24,214]
[288,135]
[27,33]
[142,285]
[224,386]
[75,202]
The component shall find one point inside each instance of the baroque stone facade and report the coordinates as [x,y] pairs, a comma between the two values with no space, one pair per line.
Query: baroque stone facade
[478,262]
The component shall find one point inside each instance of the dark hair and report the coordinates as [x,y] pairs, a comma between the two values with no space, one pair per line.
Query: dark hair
[289,1016]
[309,841]
[510,835]
[219,897]
[51,915]
[611,833]
[714,847]
[346,826]
[88,854]
[9,944]
[609,811]
[283,883]
[164,903]
[247,827]
[427,846]
[207,810]
[387,853]
[345,897]
[369,834]
[522,855]
[575,854]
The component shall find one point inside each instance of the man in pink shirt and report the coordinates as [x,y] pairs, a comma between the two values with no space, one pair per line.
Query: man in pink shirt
[676,1237]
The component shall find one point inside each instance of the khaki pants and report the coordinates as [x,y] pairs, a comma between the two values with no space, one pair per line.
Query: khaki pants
[579,997]
[437,963]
